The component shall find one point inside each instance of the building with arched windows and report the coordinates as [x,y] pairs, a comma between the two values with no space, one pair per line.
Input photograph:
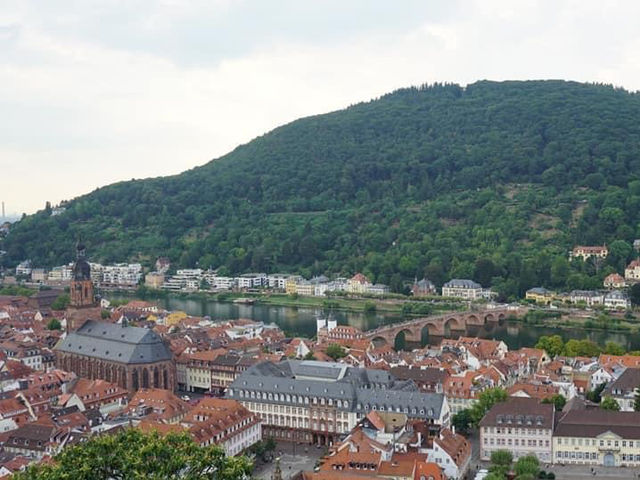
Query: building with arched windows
[131,357]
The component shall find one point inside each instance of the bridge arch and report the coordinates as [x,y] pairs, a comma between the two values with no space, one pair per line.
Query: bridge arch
[426,331]
[489,317]
[453,323]
[379,340]
[400,339]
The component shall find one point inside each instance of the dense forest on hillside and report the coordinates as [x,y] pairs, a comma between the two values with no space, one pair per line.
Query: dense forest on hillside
[495,181]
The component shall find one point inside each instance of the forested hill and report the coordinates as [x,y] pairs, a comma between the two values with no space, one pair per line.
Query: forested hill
[495,181]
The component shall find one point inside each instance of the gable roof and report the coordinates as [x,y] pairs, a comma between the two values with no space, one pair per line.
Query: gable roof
[593,422]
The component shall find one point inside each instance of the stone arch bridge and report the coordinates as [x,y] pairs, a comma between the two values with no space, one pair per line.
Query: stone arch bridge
[441,325]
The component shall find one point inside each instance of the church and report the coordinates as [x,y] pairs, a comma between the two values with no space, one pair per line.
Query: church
[129,356]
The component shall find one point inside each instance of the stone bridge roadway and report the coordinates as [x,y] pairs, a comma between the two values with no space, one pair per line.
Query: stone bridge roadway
[441,325]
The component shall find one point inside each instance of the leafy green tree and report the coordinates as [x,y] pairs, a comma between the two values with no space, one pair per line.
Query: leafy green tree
[636,400]
[369,307]
[500,463]
[309,356]
[609,403]
[495,476]
[501,457]
[581,348]
[612,348]
[557,400]
[595,395]
[336,351]
[486,400]
[553,344]
[54,324]
[61,303]
[528,465]
[132,454]
[462,420]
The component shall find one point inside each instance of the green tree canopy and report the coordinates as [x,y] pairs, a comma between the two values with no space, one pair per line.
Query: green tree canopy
[335,351]
[133,455]
[557,400]
[486,400]
[54,324]
[552,344]
[528,465]
[61,303]
[609,403]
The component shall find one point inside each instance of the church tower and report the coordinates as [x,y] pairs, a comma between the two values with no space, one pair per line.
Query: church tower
[81,285]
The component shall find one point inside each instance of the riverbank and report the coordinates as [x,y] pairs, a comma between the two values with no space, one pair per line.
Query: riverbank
[592,321]
[397,307]
[407,307]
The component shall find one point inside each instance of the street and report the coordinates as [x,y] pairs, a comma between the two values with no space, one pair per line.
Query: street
[304,458]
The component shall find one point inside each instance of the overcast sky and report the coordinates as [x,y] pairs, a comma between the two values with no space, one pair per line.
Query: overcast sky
[93,92]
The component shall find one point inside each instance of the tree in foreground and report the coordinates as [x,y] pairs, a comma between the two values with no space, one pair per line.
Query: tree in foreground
[500,464]
[134,455]
[527,466]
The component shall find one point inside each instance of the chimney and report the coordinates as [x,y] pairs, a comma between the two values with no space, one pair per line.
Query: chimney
[453,429]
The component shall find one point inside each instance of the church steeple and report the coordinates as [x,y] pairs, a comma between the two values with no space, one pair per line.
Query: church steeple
[81,285]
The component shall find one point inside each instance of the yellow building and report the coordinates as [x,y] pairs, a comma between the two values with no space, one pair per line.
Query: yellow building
[358,284]
[305,288]
[154,280]
[540,295]
[598,437]
[291,285]
[174,318]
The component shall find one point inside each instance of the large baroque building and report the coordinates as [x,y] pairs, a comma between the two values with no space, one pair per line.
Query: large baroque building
[317,402]
[131,357]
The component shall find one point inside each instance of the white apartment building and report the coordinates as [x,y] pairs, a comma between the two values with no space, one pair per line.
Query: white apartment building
[185,279]
[121,275]
[252,280]
[616,300]
[24,268]
[277,281]
[462,288]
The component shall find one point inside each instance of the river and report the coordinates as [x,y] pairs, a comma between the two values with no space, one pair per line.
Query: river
[301,322]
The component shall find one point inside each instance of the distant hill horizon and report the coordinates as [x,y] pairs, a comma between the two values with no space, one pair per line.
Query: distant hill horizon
[495,181]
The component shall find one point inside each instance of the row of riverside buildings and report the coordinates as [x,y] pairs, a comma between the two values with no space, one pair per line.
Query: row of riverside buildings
[610,300]
[119,276]
[198,279]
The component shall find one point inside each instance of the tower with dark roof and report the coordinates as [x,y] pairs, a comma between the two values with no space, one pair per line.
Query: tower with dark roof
[81,284]
[81,291]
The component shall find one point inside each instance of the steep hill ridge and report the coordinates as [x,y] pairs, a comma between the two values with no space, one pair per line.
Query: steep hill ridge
[493,181]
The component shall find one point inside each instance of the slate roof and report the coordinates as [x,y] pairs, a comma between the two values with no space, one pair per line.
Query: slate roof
[361,388]
[593,422]
[520,411]
[625,384]
[461,283]
[115,343]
